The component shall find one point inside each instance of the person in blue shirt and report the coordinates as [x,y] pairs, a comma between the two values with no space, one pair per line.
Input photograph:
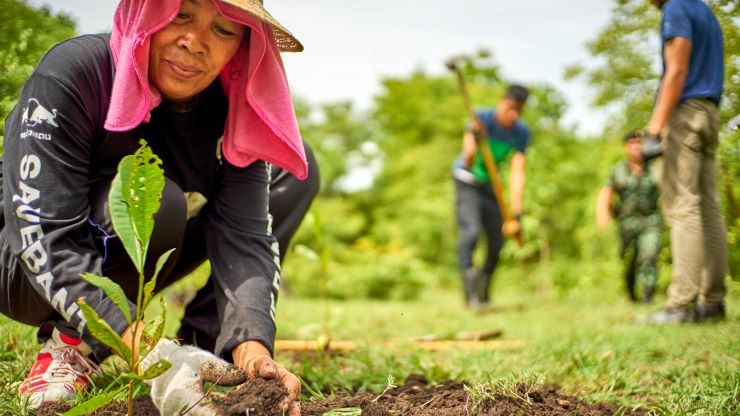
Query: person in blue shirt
[686,122]
[477,211]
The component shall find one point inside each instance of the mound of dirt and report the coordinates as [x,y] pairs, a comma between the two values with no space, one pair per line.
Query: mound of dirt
[417,398]
[256,397]
[143,406]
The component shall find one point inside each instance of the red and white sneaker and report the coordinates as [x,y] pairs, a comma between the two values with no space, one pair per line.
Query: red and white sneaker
[62,368]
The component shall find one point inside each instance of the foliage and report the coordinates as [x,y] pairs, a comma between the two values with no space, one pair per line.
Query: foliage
[412,198]
[728,157]
[625,71]
[342,141]
[28,33]
[134,198]
[392,275]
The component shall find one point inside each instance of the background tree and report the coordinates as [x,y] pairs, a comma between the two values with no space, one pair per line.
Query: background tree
[28,33]
[625,72]
[341,138]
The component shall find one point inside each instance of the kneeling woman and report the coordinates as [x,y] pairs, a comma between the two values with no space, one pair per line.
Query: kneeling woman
[203,83]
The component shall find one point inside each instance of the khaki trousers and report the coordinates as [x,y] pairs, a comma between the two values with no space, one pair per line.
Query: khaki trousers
[690,203]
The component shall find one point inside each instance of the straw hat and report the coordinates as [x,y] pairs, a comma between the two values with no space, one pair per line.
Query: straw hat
[285,40]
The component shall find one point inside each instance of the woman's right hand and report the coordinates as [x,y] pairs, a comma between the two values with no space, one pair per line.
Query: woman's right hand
[253,357]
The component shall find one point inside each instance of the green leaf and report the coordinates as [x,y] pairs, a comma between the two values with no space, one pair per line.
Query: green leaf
[161,261]
[146,192]
[147,336]
[151,284]
[154,330]
[94,403]
[103,332]
[120,215]
[156,370]
[345,411]
[159,332]
[134,198]
[112,290]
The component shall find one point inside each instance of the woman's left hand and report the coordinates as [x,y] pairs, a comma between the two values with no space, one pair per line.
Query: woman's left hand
[253,357]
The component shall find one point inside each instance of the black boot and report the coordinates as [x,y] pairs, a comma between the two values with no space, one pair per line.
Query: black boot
[648,294]
[469,277]
[704,314]
[630,278]
[481,289]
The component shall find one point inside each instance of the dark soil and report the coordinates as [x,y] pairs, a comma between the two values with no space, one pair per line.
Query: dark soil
[143,406]
[415,398]
[256,397]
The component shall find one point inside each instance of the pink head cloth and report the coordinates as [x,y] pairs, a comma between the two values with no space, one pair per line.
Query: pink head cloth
[261,123]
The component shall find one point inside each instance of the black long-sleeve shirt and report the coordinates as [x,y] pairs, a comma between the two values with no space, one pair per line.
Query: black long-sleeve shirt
[56,147]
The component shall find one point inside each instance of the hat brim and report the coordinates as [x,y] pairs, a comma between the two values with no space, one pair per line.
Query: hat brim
[286,42]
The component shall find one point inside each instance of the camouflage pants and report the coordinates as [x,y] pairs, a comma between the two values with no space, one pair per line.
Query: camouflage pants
[640,249]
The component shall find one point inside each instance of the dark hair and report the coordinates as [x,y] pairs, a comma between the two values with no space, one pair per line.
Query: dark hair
[632,134]
[518,93]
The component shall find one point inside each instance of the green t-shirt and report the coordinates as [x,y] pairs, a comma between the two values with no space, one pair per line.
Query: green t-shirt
[502,143]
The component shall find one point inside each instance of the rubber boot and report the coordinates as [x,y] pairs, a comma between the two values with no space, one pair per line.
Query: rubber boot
[630,278]
[470,280]
[481,289]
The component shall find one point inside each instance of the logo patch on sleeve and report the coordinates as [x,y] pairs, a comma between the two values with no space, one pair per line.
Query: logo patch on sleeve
[35,116]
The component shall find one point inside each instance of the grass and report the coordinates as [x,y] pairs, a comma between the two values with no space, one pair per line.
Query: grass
[583,340]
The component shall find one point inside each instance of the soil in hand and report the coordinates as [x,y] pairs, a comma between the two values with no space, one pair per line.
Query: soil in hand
[417,398]
[256,397]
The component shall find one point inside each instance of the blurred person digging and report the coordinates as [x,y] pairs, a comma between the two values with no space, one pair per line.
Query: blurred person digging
[493,135]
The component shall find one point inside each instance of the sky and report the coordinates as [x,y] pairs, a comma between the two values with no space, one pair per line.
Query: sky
[351,44]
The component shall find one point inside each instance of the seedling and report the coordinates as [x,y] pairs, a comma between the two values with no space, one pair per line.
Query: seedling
[134,198]
[389,386]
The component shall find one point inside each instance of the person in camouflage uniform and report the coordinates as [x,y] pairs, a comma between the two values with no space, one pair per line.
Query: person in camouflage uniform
[636,210]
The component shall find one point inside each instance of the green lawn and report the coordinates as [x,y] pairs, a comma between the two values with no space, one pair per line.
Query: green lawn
[584,340]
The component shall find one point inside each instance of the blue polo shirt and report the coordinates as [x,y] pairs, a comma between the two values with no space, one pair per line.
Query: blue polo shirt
[694,20]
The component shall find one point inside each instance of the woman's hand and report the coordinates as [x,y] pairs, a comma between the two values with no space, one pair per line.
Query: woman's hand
[253,357]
